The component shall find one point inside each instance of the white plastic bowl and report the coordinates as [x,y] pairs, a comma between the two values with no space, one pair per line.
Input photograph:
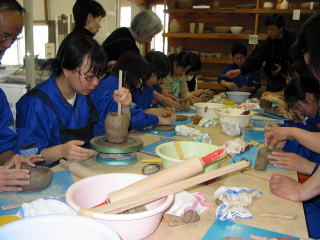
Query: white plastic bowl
[236,29]
[238,97]
[233,115]
[206,110]
[91,191]
[53,227]
[169,155]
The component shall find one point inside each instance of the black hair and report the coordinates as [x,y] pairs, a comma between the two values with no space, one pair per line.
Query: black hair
[135,68]
[182,59]
[195,62]
[239,48]
[308,40]
[11,5]
[71,53]
[297,69]
[296,90]
[82,8]
[275,20]
[159,63]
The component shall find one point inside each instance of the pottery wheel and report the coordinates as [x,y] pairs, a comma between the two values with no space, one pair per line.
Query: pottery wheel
[164,128]
[101,145]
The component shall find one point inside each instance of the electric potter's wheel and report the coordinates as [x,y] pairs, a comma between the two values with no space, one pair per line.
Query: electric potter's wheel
[116,153]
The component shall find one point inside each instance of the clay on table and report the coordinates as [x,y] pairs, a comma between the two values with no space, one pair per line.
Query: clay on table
[40,178]
[164,128]
[181,118]
[262,159]
[116,127]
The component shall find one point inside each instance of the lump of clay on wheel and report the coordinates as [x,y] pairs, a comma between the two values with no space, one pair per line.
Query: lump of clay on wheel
[40,178]
[116,127]
[262,159]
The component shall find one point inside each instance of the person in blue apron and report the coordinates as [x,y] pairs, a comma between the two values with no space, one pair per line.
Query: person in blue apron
[58,114]
[136,72]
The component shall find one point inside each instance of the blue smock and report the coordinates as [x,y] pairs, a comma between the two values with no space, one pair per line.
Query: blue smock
[39,123]
[7,129]
[139,119]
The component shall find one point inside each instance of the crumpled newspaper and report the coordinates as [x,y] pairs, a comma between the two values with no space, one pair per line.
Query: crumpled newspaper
[207,122]
[230,128]
[234,146]
[185,131]
[233,202]
[44,206]
[185,202]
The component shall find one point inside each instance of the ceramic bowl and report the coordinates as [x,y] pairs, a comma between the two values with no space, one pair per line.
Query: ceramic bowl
[54,227]
[268,5]
[236,29]
[91,191]
[221,29]
[206,110]
[234,115]
[238,97]
[169,156]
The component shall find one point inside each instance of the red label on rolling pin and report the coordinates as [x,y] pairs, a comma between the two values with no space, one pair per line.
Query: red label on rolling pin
[212,156]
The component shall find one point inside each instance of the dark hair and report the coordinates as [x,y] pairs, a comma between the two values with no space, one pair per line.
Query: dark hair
[159,63]
[11,5]
[182,59]
[71,53]
[299,67]
[195,62]
[296,90]
[239,48]
[82,8]
[276,20]
[308,40]
[135,68]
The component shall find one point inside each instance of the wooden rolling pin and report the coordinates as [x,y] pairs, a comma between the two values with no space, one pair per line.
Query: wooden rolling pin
[177,172]
[157,193]
[77,169]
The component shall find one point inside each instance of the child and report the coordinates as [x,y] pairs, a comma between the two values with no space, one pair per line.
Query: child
[249,82]
[58,114]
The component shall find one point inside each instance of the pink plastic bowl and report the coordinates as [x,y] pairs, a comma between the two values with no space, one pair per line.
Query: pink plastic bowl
[91,191]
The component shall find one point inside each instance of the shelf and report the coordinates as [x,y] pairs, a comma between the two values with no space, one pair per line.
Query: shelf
[212,35]
[240,11]
[217,60]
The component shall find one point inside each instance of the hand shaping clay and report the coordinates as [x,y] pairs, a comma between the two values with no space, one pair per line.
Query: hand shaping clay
[40,178]
[262,159]
[116,127]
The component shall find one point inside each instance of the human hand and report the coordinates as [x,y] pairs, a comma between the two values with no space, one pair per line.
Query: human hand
[167,120]
[17,161]
[11,179]
[286,187]
[297,115]
[232,86]
[291,161]
[122,96]
[72,151]
[233,73]
[170,102]
[278,69]
[274,134]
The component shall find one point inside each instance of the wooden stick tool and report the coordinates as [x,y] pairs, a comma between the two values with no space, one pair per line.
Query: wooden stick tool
[119,88]
[157,193]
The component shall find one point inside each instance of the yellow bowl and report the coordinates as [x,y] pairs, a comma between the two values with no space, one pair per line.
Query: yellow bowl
[169,156]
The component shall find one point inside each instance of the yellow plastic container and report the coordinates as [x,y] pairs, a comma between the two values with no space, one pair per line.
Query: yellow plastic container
[228,103]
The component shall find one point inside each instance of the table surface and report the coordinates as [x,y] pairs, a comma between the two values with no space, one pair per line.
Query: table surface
[269,203]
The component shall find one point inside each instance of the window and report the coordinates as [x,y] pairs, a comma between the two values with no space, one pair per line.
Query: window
[15,54]
[159,43]
[125,16]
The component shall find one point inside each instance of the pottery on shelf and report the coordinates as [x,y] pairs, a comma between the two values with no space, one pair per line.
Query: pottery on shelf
[174,26]
[284,4]
[184,4]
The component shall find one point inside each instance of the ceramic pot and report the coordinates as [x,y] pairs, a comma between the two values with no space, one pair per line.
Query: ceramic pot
[184,3]
[284,4]
[116,127]
[174,26]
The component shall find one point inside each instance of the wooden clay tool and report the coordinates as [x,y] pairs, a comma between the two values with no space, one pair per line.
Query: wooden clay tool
[159,192]
[119,88]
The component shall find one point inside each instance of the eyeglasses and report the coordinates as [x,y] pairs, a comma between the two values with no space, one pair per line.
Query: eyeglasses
[10,38]
[89,79]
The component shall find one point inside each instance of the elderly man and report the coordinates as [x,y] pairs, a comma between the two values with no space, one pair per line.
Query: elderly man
[11,177]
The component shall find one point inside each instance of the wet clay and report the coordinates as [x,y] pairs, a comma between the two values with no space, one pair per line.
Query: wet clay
[190,216]
[116,127]
[181,118]
[262,160]
[40,178]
